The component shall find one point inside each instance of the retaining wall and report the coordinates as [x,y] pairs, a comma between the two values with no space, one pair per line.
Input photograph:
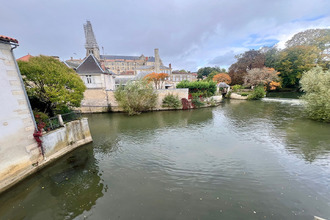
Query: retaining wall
[56,143]
[99,100]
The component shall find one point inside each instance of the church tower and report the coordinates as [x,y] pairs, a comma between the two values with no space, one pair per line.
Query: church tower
[91,45]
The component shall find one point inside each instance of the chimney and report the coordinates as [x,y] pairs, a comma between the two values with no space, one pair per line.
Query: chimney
[157,61]
[170,66]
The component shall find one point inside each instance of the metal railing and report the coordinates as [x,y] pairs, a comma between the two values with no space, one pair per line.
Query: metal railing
[71,116]
[59,120]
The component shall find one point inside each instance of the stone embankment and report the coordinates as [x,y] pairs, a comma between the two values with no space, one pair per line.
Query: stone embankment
[56,143]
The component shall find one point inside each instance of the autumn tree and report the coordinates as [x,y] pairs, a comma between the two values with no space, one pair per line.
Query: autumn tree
[157,78]
[266,77]
[246,61]
[222,77]
[51,86]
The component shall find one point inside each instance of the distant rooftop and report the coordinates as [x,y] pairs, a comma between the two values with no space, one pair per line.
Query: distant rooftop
[25,58]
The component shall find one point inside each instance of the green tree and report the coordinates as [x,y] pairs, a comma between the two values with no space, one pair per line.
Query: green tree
[316,84]
[136,97]
[293,61]
[245,61]
[205,71]
[55,86]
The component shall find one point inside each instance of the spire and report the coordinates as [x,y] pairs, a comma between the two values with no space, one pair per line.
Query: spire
[91,45]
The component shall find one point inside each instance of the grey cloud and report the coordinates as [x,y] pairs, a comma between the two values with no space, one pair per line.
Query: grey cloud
[187,32]
[224,60]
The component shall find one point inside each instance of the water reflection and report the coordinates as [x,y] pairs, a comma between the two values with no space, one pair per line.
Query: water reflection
[282,123]
[63,191]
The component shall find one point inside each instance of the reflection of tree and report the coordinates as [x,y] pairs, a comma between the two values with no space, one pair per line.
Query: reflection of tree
[309,138]
[301,136]
[114,126]
[77,184]
[62,191]
[113,123]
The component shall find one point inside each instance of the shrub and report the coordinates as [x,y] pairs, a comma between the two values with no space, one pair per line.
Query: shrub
[136,97]
[316,84]
[199,88]
[244,94]
[41,119]
[171,101]
[197,102]
[257,93]
[237,87]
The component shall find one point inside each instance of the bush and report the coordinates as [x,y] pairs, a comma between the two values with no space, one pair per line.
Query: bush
[171,101]
[257,93]
[316,84]
[136,97]
[197,102]
[237,87]
[199,88]
[244,94]
[41,119]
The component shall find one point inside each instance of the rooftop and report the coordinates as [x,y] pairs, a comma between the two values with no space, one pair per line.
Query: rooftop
[8,39]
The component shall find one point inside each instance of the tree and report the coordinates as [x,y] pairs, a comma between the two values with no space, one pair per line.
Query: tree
[205,71]
[55,86]
[136,97]
[294,61]
[246,61]
[311,37]
[266,77]
[157,78]
[316,84]
[222,77]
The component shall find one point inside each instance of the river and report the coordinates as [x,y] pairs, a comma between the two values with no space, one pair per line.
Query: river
[240,160]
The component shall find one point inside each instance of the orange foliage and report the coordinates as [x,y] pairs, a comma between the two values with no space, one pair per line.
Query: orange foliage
[222,77]
[273,85]
[157,78]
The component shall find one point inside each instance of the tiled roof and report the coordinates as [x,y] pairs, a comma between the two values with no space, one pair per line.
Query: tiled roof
[8,39]
[25,58]
[72,65]
[90,65]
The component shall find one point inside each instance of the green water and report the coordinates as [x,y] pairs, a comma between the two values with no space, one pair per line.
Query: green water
[241,160]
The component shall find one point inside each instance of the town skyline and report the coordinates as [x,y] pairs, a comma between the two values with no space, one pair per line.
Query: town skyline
[189,34]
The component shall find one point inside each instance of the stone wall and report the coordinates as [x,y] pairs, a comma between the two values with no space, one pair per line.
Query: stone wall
[96,100]
[55,143]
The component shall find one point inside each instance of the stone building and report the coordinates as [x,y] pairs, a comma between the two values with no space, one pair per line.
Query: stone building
[118,64]
[18,149]
[94,75]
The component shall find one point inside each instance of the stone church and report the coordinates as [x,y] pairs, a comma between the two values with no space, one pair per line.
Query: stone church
[117,64]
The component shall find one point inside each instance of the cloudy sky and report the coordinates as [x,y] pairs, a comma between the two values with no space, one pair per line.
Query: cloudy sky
[189,33]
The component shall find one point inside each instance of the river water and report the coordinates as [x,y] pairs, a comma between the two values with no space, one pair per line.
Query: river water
[240,160]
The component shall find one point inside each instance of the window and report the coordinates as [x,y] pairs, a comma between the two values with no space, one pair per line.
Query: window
[89,79]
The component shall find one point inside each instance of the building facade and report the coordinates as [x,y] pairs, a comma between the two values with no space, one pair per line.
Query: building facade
[18,148]
[117,64]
